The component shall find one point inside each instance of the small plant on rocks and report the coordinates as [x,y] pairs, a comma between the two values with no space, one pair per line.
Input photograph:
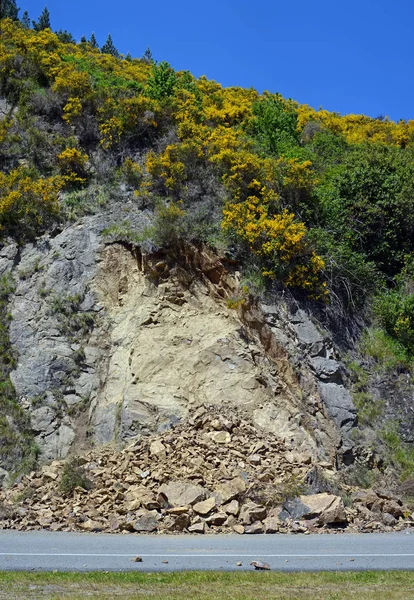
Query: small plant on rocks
[73,476]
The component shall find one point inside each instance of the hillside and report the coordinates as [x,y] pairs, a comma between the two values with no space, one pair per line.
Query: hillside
[171,248]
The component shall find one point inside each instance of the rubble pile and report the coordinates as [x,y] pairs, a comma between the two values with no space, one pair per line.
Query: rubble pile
[214,473]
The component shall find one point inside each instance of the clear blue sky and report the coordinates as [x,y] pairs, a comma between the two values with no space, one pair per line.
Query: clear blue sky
[348,56]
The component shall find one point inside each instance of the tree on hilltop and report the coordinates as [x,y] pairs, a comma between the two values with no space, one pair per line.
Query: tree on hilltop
[147,56]
[25,20]
[8,9]
[43,22]
[109,47]
[65,36]
[93,41]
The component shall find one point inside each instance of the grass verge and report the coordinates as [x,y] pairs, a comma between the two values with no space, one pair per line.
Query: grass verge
[367,585]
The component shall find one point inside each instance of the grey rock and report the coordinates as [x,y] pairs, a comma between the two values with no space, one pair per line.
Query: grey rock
[327,370]
[251,513]
[389,520]
[43,420]
[307,333]
[325,508]
[339,404]
[8,256]
[146,523]
[254,528]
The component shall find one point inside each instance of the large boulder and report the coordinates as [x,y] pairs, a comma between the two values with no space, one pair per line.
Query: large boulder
[324,508]
[181,493]
[230,490]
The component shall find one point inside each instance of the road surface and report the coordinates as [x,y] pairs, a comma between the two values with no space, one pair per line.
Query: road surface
[47,551]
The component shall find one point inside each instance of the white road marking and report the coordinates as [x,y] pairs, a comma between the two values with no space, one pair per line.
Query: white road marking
[257,555]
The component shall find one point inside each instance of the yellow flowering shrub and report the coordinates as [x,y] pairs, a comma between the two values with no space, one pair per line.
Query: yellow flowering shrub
[125,118]
[72,109]
[172,166]
[27,201]
[5,126]
[359,128]
[280,241]
[72,164]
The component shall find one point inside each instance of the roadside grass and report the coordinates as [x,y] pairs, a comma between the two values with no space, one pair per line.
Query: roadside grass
[365,585]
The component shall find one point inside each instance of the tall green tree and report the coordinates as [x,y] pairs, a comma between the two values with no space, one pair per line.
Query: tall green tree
[274,124]
[65,37]
[43,22]
[8,9]
[109,47]
[25,20]
[93,41]
[147,56]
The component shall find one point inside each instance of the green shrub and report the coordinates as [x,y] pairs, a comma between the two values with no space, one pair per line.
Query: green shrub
[274,124]
[401,455]
[73,476]
[388,352]
[394,309]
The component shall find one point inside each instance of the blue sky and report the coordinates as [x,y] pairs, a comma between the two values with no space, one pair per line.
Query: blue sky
[349,57]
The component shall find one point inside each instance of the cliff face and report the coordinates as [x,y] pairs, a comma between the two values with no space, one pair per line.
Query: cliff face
[115,344]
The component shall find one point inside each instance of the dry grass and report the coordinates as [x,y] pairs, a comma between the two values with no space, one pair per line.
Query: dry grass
[208,586]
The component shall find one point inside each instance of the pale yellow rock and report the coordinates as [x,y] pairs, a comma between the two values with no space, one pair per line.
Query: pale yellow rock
[231,489]
[163,357]
[203,508]
[238,529]
[157,450]
[326,507]
[181,493]
[219,437]
[232,508]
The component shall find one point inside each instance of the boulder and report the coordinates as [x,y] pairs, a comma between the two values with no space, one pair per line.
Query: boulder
[217,519]
[252,512]
[91,525]
[271,525]
[203,508]
[256,527]
[232,508]
[146,523]
[393,508]
[199,527]
[324,508]
[180,522]
[219,437]
[182,493]
[389,520]
[229,490]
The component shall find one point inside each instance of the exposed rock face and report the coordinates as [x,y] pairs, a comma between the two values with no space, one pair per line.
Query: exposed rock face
[113,345]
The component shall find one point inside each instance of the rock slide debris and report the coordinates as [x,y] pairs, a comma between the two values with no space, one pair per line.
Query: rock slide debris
[186,482]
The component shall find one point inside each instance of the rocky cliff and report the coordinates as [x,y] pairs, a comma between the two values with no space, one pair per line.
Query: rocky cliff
[114,343]
[117,345]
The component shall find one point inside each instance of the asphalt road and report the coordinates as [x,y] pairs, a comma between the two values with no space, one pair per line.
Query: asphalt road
[46,551]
